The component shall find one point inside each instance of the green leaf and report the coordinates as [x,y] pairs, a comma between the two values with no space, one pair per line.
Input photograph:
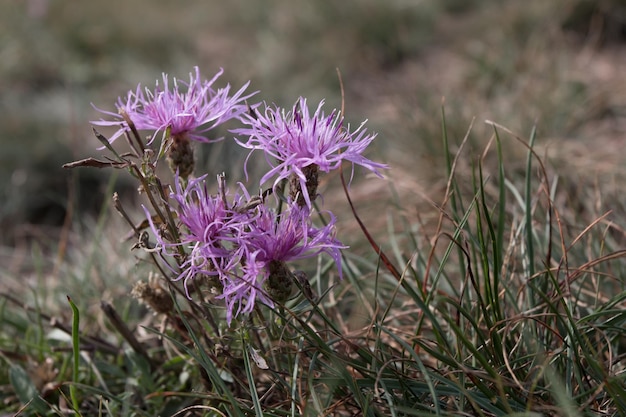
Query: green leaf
[26,390]
[75,351]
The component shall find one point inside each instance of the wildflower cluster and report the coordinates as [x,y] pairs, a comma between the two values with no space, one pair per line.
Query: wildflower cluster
[240,243]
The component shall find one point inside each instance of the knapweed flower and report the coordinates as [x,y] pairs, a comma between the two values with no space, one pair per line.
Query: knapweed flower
[211,229]
[188,109]
[182,111]
[298,144]
[243,245]
[270,242]
[291,236]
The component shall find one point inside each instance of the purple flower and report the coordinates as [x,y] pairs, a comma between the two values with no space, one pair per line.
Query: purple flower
[269,242]
[211,230]
[187,109]
[244,244]
[291,236]
[244,287]
[295,140]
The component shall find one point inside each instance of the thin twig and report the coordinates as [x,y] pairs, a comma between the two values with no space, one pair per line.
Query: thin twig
[124,331]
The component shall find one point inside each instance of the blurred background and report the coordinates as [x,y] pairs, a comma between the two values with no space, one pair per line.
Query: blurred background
[559,65]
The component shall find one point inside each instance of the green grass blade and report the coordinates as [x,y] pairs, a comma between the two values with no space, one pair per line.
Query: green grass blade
[251,380]
[75,354]
[530,246]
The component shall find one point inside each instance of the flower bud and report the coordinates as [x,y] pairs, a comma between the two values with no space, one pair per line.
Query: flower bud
[279,282]
[180,156]
[153,295]
[311,173]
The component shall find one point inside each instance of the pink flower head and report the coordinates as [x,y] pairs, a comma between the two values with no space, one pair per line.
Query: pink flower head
[291,236]
[296,139]
[272,238]
[212,231]
[185,108]
[243,288]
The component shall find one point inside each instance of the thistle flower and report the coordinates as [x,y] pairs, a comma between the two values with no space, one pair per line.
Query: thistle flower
[297,145]
[244,287]
[244,246]
[211,230]
[291,236]
[183,112]
[192,112]
[271,241]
